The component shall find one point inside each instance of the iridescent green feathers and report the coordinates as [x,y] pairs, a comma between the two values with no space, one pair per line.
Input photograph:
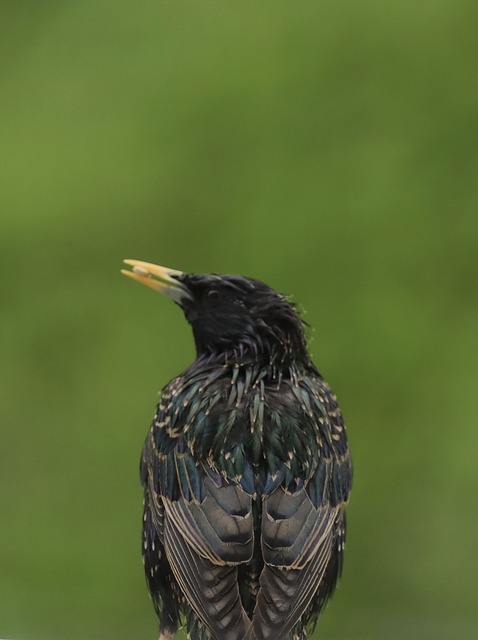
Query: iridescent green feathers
[289,432]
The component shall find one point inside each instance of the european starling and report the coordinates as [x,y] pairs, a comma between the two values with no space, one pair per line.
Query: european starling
[246,469]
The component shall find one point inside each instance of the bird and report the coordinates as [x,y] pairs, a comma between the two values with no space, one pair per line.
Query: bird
[246,468]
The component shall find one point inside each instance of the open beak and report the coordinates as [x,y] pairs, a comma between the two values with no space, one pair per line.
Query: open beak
[158,278]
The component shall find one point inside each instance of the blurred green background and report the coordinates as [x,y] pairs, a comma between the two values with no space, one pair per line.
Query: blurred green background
[326,148]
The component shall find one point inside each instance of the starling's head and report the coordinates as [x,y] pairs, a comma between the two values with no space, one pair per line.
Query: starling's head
[230,314]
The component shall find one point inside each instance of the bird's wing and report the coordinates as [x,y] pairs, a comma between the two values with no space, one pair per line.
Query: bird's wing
[297,545]
[208,531]
[160,579]
[303,525]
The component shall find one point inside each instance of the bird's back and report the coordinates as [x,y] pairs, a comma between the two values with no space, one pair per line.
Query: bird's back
[246,473]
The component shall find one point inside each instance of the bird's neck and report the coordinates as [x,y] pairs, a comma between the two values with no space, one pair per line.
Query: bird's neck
[277,364]
[277,348]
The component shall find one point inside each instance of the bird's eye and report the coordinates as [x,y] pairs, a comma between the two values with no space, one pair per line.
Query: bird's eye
[213,295]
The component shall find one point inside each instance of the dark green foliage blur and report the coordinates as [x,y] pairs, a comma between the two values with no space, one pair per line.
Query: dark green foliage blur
[327,148]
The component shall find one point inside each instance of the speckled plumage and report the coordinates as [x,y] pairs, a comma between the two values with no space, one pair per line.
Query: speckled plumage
[246,473]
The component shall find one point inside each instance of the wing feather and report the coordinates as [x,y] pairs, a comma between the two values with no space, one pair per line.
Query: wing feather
[205,539]
[211,589]
[303,529]
[297,544]
[220,526]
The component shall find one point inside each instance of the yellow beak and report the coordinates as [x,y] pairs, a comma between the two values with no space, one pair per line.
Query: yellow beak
[158,278]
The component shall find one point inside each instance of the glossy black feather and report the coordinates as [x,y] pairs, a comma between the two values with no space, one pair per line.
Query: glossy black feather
[246,473]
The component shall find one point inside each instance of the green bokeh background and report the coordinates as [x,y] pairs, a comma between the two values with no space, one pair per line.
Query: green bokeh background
[326,148]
